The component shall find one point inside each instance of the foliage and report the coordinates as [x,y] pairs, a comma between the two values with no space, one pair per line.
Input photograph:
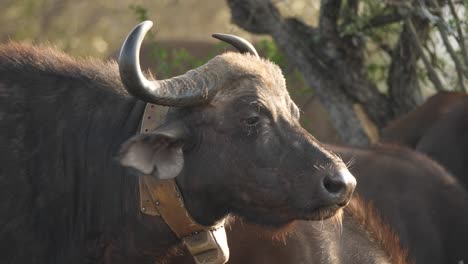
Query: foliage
[386,35]
[177,61]
[271,51]
[170,61]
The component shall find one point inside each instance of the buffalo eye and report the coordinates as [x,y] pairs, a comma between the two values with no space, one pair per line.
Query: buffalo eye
[251,121]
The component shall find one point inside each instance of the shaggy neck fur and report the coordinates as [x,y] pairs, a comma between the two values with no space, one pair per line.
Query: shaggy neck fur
[361,237]
[365,215]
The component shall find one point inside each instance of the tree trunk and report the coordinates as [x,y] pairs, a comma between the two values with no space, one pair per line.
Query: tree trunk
[334,64]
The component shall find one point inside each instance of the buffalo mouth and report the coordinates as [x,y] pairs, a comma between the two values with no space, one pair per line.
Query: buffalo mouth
[273,219]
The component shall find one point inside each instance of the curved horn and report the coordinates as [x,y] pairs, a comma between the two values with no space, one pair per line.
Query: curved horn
[192,88]
[239,43]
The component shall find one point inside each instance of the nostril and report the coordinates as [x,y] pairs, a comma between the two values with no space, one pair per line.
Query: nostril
[333,186]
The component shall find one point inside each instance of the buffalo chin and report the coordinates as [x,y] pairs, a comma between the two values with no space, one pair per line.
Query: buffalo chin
[276,222]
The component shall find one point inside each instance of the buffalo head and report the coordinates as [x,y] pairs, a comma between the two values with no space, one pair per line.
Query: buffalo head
[233,139]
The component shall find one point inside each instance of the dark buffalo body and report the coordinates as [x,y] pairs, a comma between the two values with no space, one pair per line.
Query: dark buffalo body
[420,200]
[234,144]
[408,129]
[447,141]
[62,193]
[438,128]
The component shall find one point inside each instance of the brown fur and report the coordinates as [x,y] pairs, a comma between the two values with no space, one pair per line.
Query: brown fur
[246,72]
[366,215]
[277,234]
[401,153]
[416,157]
[303,241]
[409,129]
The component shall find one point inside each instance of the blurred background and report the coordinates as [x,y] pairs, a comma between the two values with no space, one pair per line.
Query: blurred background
[352,66]
[97,28]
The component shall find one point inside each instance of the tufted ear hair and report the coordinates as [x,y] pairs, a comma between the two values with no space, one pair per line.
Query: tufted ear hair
[158,153]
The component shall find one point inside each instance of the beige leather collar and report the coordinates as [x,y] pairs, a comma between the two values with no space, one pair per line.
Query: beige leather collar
[207,244]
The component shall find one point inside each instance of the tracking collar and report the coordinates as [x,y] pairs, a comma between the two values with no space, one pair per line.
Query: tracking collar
[207,244]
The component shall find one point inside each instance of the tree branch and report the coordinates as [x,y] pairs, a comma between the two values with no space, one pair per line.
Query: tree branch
[351,11]
[258,17]
[451,51]
[403,82]
[382,20]
[461,37]
[328,20]
[442,28]
[431,71]
[432,57]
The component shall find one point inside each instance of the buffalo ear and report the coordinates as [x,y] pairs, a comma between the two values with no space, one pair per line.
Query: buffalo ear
[158,153]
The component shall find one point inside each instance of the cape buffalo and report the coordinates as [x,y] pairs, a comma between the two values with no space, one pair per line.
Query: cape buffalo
[231,137]
[438,128]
